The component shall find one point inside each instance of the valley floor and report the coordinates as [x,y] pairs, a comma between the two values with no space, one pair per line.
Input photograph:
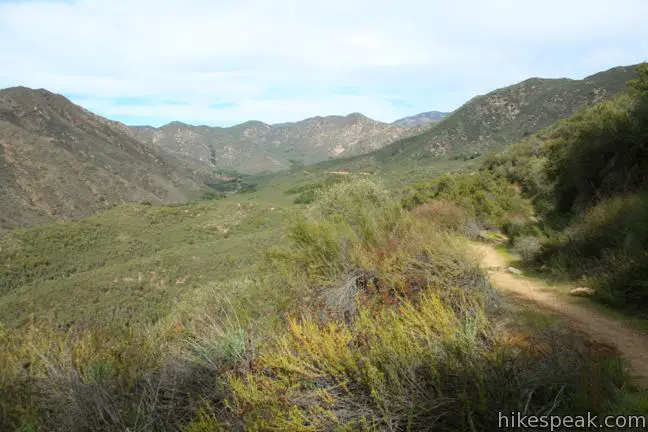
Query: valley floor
[632,344]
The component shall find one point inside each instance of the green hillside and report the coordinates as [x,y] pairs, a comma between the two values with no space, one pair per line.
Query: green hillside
[132,263]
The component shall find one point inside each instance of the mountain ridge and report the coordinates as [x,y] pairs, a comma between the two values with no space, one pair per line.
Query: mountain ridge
[254,146]
[500,117]
[60,161]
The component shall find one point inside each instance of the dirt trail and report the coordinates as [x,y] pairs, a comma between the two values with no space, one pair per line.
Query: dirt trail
[631,343]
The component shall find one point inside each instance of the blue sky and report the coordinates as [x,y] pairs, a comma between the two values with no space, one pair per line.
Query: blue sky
[222,62]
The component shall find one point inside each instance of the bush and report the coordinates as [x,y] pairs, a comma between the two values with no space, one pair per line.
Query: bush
[601,152]
[116,380]
[491,200]
[362,205]
[527,246]
[608,244]
[418,349]
[306,197]
[356,240]
[524,165]
[446,214]
[211,195]
[433,365]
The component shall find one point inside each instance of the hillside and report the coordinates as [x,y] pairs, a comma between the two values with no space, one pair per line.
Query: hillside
[59,161]
[491,121]
[255,146]
[421,119]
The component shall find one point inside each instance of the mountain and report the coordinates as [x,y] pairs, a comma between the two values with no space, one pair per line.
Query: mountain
[421,119]
[490,121]
[59,161]
[255,146]
[506,115]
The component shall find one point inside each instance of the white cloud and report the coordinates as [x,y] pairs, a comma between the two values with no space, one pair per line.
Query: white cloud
[282,60]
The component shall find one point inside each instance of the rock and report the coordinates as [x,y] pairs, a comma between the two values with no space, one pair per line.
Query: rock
[514,271]
[582,292]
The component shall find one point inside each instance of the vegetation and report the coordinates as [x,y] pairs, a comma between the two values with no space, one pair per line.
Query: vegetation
[421,350]
[130,264]
[587,180]
[602,151]
[307,193]
[391,325]
[466,156]
[490,200]
[211,195]
[233,185]
[598,165]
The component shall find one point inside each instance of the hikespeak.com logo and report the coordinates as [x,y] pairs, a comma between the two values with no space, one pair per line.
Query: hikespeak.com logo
[518,420]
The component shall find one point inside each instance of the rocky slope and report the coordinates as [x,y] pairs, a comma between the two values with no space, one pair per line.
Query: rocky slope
[506,115]
[59,161]
[255,146]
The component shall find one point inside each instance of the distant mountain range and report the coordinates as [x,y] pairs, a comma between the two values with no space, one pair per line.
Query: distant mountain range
[255,146]
[59,161]
[422,119]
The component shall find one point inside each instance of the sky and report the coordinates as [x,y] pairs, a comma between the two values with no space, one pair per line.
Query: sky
[223,62]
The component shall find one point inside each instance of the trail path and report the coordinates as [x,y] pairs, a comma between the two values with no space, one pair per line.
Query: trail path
[632,344]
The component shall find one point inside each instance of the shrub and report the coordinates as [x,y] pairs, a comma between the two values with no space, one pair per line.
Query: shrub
[370,247]
[526,246]
[211,195]
[362,205]
[306,197]
[434,365]
[446,214]
[608,244]
[120,380]
[601,151]
[489,199]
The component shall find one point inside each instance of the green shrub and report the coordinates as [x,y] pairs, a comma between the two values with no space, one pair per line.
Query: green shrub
[608,244]
[211,195]
[306,197]
[362,205]
[602,151]
[330,180]
[355,233]
[489,199]
[524,165]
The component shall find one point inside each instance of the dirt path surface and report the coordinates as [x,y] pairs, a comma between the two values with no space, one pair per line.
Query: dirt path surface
[631,343]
